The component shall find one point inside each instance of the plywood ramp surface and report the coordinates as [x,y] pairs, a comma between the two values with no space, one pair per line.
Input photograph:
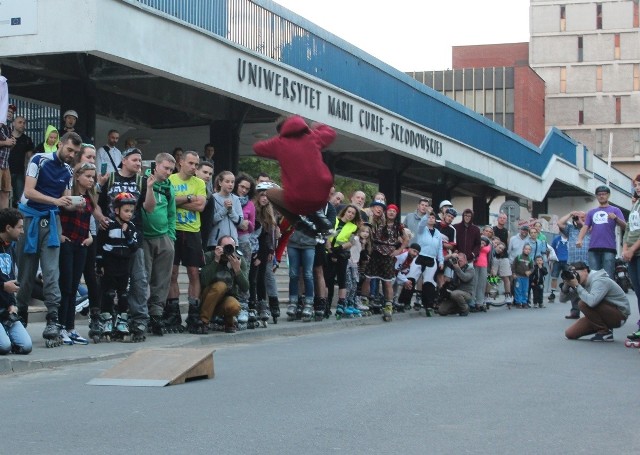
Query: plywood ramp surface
[159,367]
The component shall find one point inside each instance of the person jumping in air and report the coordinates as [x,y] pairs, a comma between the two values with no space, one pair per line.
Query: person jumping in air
[306,180]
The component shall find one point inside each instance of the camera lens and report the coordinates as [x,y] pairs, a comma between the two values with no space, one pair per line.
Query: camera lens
[228,249]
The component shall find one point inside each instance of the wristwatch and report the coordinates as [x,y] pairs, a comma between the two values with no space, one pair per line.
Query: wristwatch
[189,198]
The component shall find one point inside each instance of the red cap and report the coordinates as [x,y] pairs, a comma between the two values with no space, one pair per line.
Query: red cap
[393,207]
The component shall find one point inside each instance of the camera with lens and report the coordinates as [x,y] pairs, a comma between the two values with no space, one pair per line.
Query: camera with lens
[11,319]
[228,250]
[453,260]
[571,274]
[575,218]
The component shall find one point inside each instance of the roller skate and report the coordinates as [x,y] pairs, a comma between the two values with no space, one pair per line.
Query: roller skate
[299,308]
[319,308]
[364,309]
[307,312]
[551,297]
[355,312]
[121,328]
[51,332]
[253,316]
[341,310]
[100,327]
[263,314]
[322,224]
[216,324]
[138,330]
[291,311]
[230,327]
[417,305]
[193,321]
[387,312]
[397,306]
[274,307]
[375,305]
[156,326]
[171,317]
[243,316]
[75,337]
[306,226]
[633,340]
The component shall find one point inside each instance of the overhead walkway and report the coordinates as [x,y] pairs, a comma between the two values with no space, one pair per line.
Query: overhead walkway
[233,66]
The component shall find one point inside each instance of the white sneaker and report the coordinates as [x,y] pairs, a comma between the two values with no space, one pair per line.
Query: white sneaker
[76,338]
[64,335]
[82,304]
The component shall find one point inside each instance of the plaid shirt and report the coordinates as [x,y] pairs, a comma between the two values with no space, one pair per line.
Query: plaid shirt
[575,253]
[75,223]
[5,133]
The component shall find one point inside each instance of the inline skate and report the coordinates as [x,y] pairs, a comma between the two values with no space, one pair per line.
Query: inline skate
[274,307]
[100,327]
[52,331]
[387,312]
[307,312]
[171,317]
[263,314]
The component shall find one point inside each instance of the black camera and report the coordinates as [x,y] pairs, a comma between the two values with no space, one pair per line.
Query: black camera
[571,274]
[453,260]
[228,250]
[575,218]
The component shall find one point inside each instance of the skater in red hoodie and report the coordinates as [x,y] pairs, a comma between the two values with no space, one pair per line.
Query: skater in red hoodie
[306,180]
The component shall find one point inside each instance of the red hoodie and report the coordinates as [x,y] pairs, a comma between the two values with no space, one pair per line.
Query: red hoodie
[306,180]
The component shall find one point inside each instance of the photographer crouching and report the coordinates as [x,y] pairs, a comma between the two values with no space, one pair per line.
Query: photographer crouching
[604,304]
[460,288]
[224,277]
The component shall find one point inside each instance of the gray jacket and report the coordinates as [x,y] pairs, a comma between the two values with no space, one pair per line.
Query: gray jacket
[463,278]
[599,288]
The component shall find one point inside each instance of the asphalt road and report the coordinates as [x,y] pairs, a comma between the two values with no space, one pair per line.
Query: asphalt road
[506,382]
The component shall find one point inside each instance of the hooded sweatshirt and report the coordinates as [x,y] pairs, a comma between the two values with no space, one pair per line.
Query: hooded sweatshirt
[306,179]
[600,288]
[43,147]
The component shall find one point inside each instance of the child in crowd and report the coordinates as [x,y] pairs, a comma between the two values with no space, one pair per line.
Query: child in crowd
[116,245]
[353,277]
[366,247]
[76,240]
[13,335]
[227,210]
[536,281]
[522,268]
[481,265]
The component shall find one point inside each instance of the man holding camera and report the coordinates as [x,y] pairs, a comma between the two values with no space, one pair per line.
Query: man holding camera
[462,284]
[224,276]
[604,304]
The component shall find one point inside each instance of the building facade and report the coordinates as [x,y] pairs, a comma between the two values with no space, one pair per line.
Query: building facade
[495,80]
[588,54]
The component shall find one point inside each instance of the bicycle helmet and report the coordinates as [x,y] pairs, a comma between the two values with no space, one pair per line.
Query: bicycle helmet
[123,199]
[264,186]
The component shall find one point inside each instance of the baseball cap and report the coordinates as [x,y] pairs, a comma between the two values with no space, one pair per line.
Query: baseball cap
[445,202]
[378,202]
[70,112]
[131,151]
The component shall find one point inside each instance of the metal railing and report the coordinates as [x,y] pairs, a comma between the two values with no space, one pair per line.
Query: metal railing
[38,116]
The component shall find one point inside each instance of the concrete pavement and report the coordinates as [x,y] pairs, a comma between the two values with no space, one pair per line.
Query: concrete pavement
[44,358]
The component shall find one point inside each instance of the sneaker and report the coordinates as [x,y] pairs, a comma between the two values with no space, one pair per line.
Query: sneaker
[76,338]
[82,304]
[64,336]
[541,305]
[572,315]
[607,336]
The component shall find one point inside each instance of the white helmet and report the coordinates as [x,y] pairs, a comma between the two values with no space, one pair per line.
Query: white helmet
[264,186]
[445,202]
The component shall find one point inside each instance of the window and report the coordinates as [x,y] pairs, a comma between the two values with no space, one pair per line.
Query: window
[580,52]
[598,78]
[599,16]
[563,80]
[616,52]
[563,19]
[580,117]
[636,77]
[636,15]
[618,110]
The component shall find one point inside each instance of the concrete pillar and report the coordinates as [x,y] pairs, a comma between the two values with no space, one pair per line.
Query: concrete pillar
[389,184]
[224,135]
[439,194]
[480,211]
[80,95]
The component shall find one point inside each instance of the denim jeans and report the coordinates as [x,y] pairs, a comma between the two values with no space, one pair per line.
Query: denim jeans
[301,257]
[72,259]
[17,336]
[603,260]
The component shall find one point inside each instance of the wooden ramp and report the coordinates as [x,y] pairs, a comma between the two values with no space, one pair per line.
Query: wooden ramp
[159,367]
